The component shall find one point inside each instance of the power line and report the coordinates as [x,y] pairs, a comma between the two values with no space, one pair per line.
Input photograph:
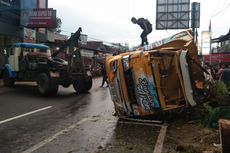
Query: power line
[221,13]
[214,12]
[96,39]
[223,10]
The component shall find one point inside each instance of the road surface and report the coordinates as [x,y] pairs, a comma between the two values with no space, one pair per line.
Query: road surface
[67,123]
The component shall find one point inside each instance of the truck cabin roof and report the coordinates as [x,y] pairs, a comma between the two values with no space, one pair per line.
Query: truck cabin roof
[31,45]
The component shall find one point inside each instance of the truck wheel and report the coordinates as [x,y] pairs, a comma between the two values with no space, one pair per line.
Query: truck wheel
[46,85]
[53,87]
[88,83]
[7,81]
[78,86]
[82,86]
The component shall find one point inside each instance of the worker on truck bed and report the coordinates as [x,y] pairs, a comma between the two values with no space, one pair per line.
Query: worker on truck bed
[146,26]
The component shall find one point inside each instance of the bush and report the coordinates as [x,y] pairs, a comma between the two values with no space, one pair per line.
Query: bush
[218,92]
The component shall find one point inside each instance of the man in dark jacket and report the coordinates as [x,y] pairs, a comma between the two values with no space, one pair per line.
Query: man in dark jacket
[146,26]
[103,72]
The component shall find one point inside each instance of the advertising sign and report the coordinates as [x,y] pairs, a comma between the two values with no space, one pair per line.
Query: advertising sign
[205,42]
[172,14]
[217,58]
[29,35]
[195,16]
[38,18]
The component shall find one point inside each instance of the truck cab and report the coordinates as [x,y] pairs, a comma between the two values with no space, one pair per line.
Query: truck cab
[161,77]
[21,55]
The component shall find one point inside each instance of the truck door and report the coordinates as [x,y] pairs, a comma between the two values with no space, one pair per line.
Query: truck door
[13,58]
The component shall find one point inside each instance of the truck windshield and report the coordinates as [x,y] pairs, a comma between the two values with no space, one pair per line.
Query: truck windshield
[44,51]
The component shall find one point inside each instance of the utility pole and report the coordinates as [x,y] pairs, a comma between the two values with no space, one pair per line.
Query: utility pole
[210,43]
[193,17]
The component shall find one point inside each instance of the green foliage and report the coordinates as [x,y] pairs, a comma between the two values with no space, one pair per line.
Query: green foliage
[207,107]
[217,104]
[218,92]
[212,118]
[57,27]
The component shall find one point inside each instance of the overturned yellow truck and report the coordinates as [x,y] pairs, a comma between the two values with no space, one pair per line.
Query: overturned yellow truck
[163,76]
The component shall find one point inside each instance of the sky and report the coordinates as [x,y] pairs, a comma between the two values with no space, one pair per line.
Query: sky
[110,20]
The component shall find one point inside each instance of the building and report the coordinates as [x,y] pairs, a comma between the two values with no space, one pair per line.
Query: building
[220,52]
[9,25]
[222,43]
[26,21]
[94,52]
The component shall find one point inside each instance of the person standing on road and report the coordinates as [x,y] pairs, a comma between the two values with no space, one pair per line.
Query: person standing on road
[146,26]
[103,72]
[220,70]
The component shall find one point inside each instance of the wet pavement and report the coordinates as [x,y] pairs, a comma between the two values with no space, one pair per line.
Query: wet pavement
[74,123]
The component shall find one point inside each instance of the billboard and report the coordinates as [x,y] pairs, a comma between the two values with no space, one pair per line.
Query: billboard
[38,18]
[29,35]
[195,16]
[217,58]
[172,14]
[205,42]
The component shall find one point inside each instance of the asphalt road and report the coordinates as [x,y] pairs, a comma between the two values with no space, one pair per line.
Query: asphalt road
[67,123]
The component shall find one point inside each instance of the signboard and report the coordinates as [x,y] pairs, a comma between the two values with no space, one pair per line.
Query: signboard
[29,35]
[205,42]
[38,18]
[217,58]
[195,17]
[172,14]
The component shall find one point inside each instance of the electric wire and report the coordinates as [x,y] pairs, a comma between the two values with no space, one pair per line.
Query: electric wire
[217,8]
[95,39]
[221,11]
[220,15]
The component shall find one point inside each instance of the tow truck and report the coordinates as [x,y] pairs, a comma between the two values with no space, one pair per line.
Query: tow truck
[34,62]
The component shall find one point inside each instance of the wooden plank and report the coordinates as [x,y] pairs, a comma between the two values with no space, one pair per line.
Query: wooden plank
[224,127]
[160,140]
[141,120]
[140,123]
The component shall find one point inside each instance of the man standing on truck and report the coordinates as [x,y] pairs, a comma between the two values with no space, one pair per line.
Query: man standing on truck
[146,26]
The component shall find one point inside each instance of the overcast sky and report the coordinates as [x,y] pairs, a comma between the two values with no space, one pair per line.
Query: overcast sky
[109,20]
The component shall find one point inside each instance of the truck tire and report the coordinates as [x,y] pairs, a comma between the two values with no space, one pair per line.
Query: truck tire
[83,85]
[78,86]
[46,85]
[7,81]
[88,83]
[53,87]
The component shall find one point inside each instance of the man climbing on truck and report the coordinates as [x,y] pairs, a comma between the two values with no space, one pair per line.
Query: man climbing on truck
[146,26]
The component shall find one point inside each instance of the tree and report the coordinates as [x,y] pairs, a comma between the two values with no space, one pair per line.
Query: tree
[57,27]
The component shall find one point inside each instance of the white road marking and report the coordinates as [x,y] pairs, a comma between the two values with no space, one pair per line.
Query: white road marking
[46,141]
[160,140]
[26,114]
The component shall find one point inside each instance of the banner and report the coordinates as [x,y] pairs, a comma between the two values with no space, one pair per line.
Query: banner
[29,35]
[38,18]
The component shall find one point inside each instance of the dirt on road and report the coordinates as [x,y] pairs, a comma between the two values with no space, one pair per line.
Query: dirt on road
[191,137]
